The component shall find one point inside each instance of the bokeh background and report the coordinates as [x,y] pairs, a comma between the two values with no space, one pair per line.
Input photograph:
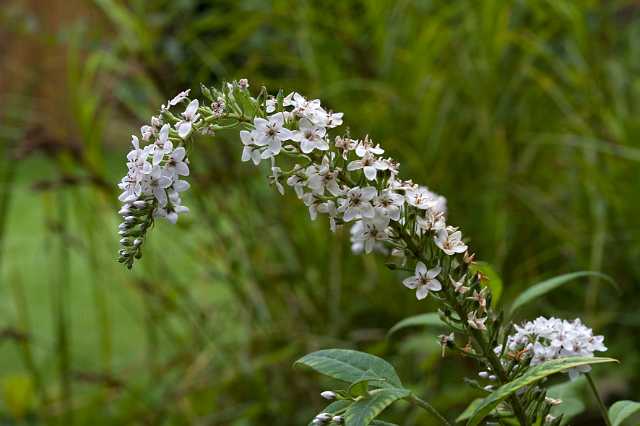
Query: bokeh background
[525,114]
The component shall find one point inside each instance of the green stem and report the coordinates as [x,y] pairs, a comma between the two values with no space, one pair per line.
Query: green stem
[601,406]
[429,408]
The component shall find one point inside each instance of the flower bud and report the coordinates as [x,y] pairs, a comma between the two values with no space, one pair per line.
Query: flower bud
[324,417]
[137,242]
[328,395]
[483,374]
[491,377]
[124,210]
[338,419]
[130,219]
[488,388]
[125,242]
[140,204]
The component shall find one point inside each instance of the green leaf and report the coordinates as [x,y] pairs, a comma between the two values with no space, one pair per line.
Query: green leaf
[350,366]
[546,286]
[430,319]
[363,411]
[569,393]
[531,376]
[622,410]
[471,408]
[381,423]
[494,282]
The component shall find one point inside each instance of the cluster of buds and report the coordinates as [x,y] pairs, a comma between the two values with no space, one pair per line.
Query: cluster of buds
[326,419]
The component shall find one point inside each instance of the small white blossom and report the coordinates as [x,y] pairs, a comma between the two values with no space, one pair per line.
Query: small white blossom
[310,136]
[177,164]
[366,146]
[322,177]
[190,116]
[389,204]
[423,281]
[476,322]
[422,198]
[251,150]
[369,165]
[271,132]
[371,232]
[357,203]
[179,97]
[449,240]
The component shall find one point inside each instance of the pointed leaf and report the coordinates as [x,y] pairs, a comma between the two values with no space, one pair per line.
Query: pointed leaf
[531,376]
[363,411]
[622,410]
[471,408]
[381,423]
[546,286]
[349,366]
[569,393]
[431,319]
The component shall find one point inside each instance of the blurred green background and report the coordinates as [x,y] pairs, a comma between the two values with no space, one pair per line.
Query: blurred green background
[524,114]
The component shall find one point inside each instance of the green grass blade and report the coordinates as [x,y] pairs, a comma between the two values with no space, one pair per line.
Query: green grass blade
[546,286]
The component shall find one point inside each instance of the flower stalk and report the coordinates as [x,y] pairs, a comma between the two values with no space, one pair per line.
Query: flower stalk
[350,182]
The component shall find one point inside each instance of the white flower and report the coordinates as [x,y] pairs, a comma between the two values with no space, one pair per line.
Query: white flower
[179,97]
[297,180]
[345,145]
[476,322]
[389,204]
[366,147]
[422,198]
[369,164]
[310,136]
[270,105]
[243,83]
[301,106]
[459,286]
[158,186]
[450,241]
[271,132]
[147,132]
[276,172]
[371,232]
[191,116]
[251,151]
[423,280]
[171,211]
[433,220]
[357,203]
[322,177]
[328,119]
[176,164]
[545,339]
[162,146]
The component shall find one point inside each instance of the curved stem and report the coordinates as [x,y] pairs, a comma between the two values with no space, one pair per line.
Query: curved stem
[601,406]
[429,408]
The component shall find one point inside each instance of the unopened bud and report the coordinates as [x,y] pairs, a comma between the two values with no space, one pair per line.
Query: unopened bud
[328,395]
[338,419]
[491,377]
[124,211]
[483,374]
[137,242]
[488,388]
[140,204]
[323,417]
[125,242]
[130,219]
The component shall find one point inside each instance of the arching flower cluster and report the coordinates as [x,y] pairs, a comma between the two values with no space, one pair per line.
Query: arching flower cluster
[152,186]
[549,338]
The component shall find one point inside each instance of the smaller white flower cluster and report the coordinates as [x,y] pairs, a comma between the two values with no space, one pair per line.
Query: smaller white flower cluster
[152,185]
[545,339]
